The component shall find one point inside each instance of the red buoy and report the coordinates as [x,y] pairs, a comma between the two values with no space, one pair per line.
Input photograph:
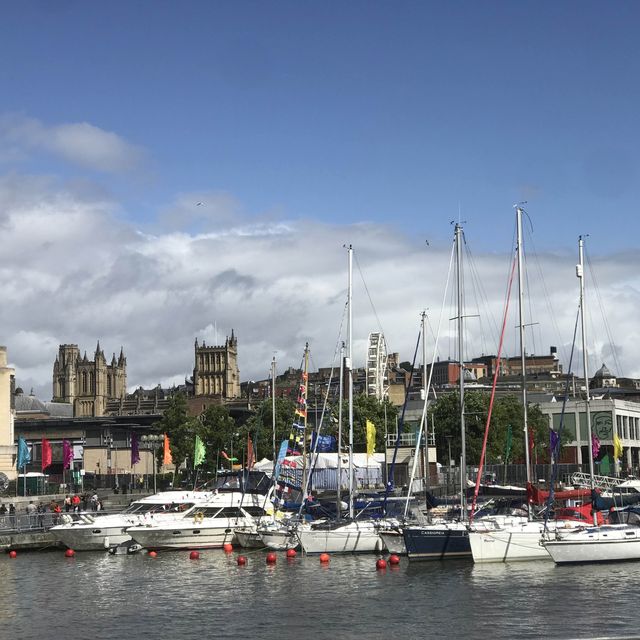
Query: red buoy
[394,559]
[194,555]
[152,554]
[291,553]
[13,553]
[228,547]
[242,560]
[381,564]
[69,553]
[324,558]
[271,558]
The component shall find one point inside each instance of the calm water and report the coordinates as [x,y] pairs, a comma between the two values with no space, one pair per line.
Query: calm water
[94,595]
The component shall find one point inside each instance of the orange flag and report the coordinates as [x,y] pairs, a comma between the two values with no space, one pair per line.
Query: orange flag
[166,458]
[251,456]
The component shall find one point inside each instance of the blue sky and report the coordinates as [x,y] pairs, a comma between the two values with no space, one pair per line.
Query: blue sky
[399,116]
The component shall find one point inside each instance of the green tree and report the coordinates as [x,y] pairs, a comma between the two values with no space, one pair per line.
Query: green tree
[369,408]
[260,426]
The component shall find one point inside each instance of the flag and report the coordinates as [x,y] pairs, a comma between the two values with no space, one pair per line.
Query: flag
[135,449]
[46,453]
[24,455]
[595,445]
[323,444]
[617,447]
[198,452]
[226,456]
[371,438]
[532,442]
[554,439]
[507,450]
[282,454]
[67,454]
[166,457]
[251,456]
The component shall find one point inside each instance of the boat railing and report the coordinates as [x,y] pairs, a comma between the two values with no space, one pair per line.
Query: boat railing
[600,482]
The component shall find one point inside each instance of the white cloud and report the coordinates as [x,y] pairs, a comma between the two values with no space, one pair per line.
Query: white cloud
[71,271]
[79,143]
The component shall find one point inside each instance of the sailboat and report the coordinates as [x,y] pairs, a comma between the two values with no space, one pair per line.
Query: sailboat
[448,540]
[351,535]
[605,543]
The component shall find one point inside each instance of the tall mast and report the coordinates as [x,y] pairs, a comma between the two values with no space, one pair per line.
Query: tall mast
[350,369]
[580,274]
[463,454]
[525,419]
[425,426]
[273,406]
[304,389]
[340,394]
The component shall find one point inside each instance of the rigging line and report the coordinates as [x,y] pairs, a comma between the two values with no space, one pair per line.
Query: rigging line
[493,390]
[373,307]
[532,326]
[555,454]
[429,385]
[607,327]
[547,298]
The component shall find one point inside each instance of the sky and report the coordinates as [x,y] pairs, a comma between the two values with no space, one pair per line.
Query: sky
[175,170]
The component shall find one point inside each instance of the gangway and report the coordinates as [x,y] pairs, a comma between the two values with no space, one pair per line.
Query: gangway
[600,482]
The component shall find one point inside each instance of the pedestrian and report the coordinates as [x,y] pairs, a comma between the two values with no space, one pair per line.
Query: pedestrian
[41,510]
[85,499]
[75,503]
[94,502]
[67,504]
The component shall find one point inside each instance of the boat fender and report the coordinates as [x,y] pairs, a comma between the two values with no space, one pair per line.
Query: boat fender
[198,517]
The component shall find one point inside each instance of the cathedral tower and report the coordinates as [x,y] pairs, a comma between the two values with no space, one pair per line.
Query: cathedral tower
[216,370]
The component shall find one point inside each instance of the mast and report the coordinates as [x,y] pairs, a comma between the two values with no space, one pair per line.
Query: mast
[303,401]
[525,419]
[463,453]
[350,381]
[580,275]
[426,401]
[273,407]
[340,394]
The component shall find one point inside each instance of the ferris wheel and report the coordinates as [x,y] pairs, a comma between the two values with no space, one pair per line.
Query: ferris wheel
[377,366]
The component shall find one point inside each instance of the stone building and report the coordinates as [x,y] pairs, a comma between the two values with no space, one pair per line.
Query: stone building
[216,370]
[88,384]
[7,446]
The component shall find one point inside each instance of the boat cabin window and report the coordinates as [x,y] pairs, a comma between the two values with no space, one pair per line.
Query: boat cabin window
[207,512]
[256,512]
[230,512]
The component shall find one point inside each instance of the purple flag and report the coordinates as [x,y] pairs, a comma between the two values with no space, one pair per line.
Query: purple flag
[135,451]
[595,445]
[554,438]
[67,454]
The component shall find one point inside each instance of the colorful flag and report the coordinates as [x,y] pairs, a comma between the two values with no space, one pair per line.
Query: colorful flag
[24,455]
[199,452]
[554,439]
[67,454]
[617,447]
[135,449]
[46,453]
[166,457]
[323,444]
[595,445]
[226,457]
[371,438]
[251,456]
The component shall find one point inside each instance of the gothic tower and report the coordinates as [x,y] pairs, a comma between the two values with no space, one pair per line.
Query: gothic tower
[88,384]
[216,370]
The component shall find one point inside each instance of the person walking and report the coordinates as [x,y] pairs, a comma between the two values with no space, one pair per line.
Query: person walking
[67,504]
[75,503]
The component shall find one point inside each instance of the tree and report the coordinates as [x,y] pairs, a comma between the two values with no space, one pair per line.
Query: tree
[365,407]
[260,426]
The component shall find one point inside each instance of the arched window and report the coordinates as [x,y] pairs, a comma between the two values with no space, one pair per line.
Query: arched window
[92,382]
[84,382]
[109,391]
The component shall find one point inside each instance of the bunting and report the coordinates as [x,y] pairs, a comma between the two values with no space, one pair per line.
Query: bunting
[67,454]
[46,454]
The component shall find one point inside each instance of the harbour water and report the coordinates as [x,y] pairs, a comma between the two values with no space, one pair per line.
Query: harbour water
[99,596]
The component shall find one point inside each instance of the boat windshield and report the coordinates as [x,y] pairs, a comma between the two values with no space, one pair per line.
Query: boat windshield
[141,508]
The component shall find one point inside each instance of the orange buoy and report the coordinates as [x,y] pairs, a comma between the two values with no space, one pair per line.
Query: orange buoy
[242,560]
[381,564]
[194,555]
[325,558]
[69,553]
[152,554]
[394,559]
[228,547]
[291,553]
[13,553]
[271,558]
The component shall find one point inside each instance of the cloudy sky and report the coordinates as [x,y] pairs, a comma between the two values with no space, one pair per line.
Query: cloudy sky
[178,170]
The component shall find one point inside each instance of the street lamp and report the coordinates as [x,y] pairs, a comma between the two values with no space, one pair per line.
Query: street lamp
[152,442]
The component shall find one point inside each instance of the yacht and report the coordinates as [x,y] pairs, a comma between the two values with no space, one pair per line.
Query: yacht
[94,531]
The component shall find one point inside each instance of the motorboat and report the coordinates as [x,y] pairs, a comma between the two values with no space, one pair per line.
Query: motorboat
[94,531]
[352,536]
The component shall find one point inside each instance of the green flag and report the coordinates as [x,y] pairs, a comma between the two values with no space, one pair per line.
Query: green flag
[198,453]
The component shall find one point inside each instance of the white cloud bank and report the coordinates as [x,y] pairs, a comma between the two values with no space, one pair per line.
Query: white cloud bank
[79,143]
[72,271]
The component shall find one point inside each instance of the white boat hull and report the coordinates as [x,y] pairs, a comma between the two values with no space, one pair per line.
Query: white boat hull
[354,537]
[195,536]
[95,538]
[249,538]
[609,543]
[393,542]
[279,540]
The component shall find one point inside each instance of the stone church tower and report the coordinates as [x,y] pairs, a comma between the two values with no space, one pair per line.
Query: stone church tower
[88,384]
[216,370]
